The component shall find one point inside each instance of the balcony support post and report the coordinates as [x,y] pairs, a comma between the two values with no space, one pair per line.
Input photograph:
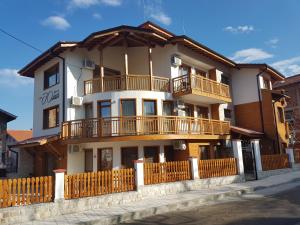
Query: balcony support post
[125,45]
[101,67]
[150,67]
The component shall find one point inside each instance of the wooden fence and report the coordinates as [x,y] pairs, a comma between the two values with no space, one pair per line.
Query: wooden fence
[99,183]
[25,191]
[217,167]
[297,156]
[166,172]
[274,162]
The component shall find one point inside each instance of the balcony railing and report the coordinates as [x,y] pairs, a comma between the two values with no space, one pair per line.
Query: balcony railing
[142,125]
[129,82]
[189,82]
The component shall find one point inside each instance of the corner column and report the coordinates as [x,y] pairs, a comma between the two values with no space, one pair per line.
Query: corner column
[125,45]
[59,190]
[238,154]
[139,173]
[101,67]
[150,67]
[194,168]
[256,152]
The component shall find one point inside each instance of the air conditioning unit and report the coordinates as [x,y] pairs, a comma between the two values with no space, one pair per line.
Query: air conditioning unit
[88,64]
[176,61]
[76,101]
[74,148]
[179,145]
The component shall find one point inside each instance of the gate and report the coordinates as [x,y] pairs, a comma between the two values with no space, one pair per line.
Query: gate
[249,160]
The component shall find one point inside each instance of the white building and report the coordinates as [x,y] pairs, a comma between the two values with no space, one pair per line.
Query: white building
[129,93]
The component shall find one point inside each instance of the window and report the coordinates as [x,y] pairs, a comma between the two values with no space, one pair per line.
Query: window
[105,159]
[128,107]
[189,110]
[104,109]
[202,112]
[51,76]
[128,155]
[184,70]
[280,114]
[168,108]
[88,110]
[200,72]
[225,80]
[151,154]
[204,152]
[227,113]
[51,117]
[266,83]
[149,107]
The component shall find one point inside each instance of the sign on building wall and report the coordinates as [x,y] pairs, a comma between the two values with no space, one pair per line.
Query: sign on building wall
[49,96]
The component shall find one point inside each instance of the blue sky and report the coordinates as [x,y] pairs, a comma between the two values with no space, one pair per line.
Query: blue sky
[246,31]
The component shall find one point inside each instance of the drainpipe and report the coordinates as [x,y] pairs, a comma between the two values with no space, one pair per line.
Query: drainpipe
[63,84]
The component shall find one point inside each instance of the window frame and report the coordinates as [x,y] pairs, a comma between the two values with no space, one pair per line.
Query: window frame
[227,111]
[47,76]
[44,118]
[100,107]
[149,100]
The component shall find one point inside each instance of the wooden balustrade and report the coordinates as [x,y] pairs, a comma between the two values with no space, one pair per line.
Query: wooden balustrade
[155,173]
[186,82]
[217,167]
[129,82]
[99,183]
[142,125]
[25,191]
[274,162]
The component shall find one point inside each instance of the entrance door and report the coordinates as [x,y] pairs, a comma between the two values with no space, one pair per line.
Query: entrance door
[105,159]
[169,153]
[248,160]
[88,160]
[88,111]
[128,155]
[151,154]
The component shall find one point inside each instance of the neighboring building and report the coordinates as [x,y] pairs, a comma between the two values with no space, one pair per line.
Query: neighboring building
[19,163]
[291,85]
[130,93]
[5,117]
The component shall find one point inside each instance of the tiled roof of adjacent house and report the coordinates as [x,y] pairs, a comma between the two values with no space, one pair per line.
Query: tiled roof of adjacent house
[287,81]
[20,135]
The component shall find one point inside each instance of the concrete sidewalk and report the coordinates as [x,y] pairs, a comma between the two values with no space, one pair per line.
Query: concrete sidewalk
[169,203]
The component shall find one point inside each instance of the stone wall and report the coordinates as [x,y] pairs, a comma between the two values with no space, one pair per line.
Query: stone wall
[46,210]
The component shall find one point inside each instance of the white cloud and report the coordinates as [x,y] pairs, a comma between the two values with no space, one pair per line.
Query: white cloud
[289,66]
[250,55]
[154,10]
[56,22]
[10,78]
[239,29]
[97,16]
[272,42]
[88,3]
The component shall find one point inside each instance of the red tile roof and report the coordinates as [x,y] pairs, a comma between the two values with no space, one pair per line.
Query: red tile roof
[20,135]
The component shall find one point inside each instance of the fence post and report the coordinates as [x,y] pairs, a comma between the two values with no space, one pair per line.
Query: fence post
[290,152]
[194,168]
[256,151]
[59,190]
[139,173]
[238,154]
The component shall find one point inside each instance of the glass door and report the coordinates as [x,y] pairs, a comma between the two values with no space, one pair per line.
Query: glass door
[149,121]
[104,114]
[128,119]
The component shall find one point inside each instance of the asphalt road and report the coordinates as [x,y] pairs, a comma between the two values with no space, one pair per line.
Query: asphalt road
[279,209]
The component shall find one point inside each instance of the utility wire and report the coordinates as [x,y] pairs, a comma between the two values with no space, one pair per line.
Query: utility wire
[21,41]
[31,46]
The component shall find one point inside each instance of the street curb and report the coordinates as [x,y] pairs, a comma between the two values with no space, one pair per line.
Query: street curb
[259,188]
[167,208]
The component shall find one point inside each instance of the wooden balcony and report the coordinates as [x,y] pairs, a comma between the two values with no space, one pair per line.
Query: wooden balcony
[198,88]
[144,128]
[129,82]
